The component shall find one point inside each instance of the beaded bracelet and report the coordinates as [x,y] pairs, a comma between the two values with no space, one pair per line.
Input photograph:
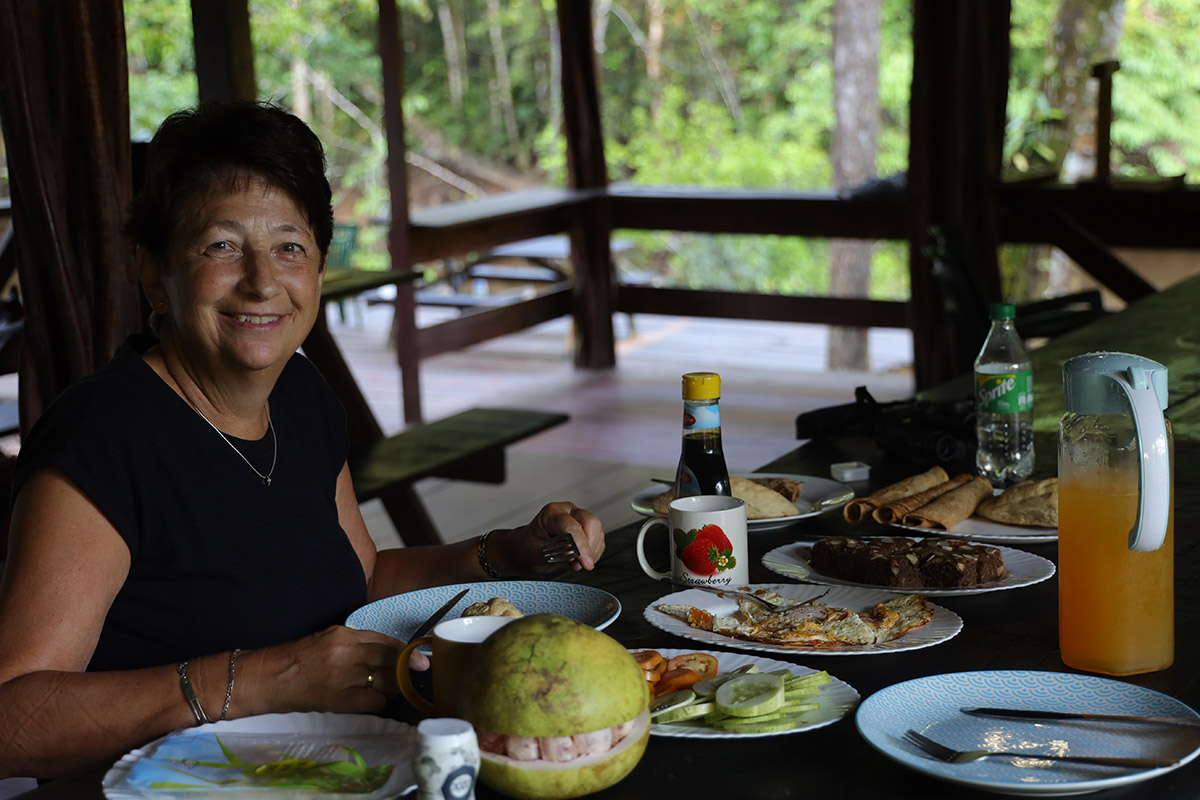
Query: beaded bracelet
[481,551]
[229,687]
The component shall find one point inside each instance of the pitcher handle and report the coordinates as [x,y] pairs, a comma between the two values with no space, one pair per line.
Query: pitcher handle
[1154,477]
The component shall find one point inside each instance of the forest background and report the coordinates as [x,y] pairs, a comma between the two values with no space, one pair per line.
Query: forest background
[728,93]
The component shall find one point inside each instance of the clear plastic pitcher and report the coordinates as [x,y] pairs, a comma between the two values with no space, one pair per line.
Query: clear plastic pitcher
[1116,516]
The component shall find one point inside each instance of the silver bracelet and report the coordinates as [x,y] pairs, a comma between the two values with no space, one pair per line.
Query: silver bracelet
[190,694]
[229,688]
[481,551]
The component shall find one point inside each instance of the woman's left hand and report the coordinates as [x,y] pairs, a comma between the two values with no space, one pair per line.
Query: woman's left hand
[523,546]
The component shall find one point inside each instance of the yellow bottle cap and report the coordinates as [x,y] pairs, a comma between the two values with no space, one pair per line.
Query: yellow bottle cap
[701,386]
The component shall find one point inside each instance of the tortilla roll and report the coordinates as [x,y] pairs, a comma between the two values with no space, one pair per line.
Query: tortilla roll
[898,509]
[856,510]
[951,508]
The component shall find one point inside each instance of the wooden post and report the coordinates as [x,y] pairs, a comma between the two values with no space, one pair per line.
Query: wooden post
[960,69]
[595,296]
[224,53]
[1103,72]
[404,327]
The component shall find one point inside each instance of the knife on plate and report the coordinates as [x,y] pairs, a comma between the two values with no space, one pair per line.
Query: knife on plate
[1031,714]
[436,617]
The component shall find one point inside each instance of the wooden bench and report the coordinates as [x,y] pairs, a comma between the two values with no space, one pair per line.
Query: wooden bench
[467,446]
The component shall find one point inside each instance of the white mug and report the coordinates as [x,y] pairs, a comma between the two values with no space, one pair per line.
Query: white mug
[708,541]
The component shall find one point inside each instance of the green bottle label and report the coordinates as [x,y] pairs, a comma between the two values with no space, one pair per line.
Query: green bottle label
[1006,393]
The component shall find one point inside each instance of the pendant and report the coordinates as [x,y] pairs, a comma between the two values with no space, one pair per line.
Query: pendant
[266,480]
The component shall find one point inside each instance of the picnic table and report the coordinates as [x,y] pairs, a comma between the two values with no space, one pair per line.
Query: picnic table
[1015,629]
[1005,630]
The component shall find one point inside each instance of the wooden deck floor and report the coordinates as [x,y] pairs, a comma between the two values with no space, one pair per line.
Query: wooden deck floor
[625,422]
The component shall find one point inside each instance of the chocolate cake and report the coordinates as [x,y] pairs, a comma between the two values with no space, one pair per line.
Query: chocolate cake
[904,563]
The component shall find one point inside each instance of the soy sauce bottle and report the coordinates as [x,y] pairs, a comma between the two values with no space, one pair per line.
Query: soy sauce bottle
[702,460]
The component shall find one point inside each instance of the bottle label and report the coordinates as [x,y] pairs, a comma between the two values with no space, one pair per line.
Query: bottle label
[1006,393]
[701,417]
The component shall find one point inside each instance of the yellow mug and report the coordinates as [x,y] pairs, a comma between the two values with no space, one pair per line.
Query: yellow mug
[453,642]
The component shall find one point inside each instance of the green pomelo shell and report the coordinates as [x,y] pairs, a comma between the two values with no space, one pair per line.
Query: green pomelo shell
[547,675]
[548,780]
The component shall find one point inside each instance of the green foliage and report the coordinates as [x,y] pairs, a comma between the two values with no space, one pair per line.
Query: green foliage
[745,99]
[1156,92]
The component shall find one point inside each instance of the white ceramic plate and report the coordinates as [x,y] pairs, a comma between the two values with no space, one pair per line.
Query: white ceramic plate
[815,490]
[400,615]
[979,529]
[837,698]
[378,740]
[931,706]
[1023,569]
[944,625]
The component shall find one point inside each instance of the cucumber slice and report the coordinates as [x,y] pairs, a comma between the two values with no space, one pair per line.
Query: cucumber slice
[670,700]
[750,695]
[683,713]
[708,687]
[769,726]
[813,679]
[798,708]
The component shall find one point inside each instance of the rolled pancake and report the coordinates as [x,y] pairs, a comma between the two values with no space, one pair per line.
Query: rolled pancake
[1027,503]
[856,510]
[951,508]
[898,509]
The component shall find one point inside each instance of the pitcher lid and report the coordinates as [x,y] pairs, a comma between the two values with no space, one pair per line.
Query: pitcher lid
[1087,389]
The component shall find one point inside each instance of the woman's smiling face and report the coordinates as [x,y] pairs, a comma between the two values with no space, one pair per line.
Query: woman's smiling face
[243,277]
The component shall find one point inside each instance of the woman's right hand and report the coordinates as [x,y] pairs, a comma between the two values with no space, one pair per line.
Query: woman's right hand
[337,669]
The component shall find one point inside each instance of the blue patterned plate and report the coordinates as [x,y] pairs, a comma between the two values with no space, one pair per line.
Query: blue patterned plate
[931,706]
[399,616]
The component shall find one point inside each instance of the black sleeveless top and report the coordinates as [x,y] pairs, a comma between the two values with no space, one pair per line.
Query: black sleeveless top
[218,560]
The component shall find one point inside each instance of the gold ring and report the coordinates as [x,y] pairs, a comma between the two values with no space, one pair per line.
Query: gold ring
[371,679]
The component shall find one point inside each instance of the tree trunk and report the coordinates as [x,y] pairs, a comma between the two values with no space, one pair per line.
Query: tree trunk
[504,92]
[654,46]
[1085,33]
[856,105]
[454,68]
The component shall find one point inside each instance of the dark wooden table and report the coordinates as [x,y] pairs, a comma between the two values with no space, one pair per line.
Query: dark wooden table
[1014,629]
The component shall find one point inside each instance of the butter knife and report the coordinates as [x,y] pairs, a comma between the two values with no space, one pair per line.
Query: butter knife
[436,617]
[1030,714]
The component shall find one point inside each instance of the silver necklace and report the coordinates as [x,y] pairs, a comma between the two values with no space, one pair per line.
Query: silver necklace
[266,479]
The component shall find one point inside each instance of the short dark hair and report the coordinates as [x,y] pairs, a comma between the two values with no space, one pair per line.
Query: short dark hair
[229,141]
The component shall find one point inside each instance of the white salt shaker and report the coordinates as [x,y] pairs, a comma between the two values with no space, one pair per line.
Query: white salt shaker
[446,759]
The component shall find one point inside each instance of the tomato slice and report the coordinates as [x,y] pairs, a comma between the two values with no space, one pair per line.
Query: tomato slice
[702,664]
[647,659]
[675,679]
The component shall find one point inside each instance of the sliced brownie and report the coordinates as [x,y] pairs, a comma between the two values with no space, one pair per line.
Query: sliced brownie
[899,570]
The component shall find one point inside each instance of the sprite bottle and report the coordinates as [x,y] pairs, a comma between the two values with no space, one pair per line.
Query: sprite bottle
[1004,402]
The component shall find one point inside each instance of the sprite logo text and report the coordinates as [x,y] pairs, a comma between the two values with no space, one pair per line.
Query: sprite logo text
[1009,393]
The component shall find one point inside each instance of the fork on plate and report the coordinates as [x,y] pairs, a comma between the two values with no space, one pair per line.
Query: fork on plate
[943,753]
[725,590]
[559,549]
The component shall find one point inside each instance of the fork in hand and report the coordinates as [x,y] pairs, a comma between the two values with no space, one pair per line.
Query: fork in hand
[559,549]
[943,753]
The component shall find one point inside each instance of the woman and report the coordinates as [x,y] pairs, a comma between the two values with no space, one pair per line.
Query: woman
[185,536]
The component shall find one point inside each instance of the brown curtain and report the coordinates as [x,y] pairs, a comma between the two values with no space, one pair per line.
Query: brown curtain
[64,107]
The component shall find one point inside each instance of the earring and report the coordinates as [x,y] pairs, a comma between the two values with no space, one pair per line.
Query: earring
[162,304]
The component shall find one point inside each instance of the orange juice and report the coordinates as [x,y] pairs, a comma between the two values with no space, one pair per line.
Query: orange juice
[1116,609]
